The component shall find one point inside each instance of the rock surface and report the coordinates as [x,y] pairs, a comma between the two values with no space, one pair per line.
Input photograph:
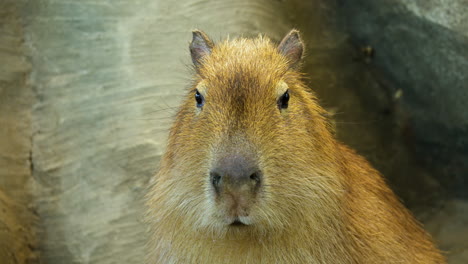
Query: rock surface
[17,235]
[422,48]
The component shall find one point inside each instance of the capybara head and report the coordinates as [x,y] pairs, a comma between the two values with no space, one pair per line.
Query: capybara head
[249,153]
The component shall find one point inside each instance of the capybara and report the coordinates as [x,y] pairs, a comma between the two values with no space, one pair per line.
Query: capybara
[253,174]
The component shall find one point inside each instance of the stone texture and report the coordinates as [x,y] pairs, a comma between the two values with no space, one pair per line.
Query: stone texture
[421,46]
[17,235]
[449,226]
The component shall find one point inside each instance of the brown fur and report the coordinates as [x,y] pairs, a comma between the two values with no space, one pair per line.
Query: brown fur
[320,201]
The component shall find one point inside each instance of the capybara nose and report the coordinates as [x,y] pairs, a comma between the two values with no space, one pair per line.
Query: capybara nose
[235,172]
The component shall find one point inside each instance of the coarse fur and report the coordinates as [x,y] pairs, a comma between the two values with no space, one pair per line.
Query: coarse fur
[319,202]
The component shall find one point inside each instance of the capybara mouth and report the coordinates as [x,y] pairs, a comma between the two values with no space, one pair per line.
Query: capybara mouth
[237,222]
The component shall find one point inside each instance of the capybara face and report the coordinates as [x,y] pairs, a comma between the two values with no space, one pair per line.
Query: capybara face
[240,151]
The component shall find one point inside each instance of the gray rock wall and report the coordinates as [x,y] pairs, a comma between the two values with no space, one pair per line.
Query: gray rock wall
[422,47]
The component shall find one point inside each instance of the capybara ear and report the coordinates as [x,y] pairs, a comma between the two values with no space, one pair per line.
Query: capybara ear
[292,47]
[200,46]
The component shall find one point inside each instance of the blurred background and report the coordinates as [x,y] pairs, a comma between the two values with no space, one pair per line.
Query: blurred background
[88,90]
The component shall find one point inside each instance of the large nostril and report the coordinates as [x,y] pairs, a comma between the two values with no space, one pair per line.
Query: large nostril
[256,177]
[215,180]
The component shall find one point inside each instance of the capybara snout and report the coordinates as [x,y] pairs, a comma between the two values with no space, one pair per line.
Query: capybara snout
[236,172]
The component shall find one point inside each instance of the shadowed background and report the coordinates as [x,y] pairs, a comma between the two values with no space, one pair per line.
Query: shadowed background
[88,90]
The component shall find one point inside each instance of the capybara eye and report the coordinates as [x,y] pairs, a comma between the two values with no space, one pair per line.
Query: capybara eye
[283,101]
[199,98]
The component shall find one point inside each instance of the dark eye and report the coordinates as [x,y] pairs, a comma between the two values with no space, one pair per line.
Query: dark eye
[283,101]
[199,98]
